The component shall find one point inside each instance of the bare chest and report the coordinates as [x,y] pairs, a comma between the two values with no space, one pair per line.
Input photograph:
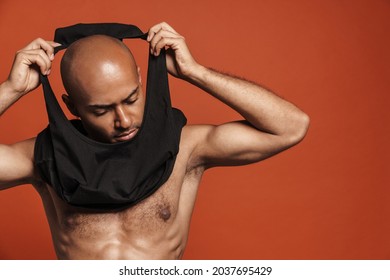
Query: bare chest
[169,205]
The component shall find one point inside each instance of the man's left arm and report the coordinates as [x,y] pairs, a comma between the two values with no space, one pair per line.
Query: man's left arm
[271,124]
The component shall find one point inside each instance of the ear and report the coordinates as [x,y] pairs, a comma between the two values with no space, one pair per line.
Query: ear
[69,103]
[139,75]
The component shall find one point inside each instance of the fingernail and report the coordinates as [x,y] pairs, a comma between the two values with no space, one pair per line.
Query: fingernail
[48,72]
[52,56]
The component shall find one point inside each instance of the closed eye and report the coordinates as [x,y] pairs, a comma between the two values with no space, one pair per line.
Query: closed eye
[130,101]
[101,109]
[99,112]
[133,97]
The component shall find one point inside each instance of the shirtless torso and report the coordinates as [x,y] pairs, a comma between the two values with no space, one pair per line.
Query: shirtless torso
[157,227]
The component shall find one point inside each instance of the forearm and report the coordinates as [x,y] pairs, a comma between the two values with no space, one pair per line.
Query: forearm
[7,97]
[259,106]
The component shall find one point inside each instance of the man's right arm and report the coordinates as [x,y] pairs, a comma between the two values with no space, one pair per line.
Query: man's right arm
[16,164]
[16,160]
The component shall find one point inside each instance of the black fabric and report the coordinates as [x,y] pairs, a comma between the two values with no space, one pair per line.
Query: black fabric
[91,174]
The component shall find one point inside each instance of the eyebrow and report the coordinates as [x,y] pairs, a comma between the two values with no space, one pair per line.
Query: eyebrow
[103,106]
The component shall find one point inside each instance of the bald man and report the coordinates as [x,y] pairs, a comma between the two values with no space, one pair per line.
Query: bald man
[104,90]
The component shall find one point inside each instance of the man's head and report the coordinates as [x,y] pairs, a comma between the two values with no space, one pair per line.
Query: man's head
[104,88]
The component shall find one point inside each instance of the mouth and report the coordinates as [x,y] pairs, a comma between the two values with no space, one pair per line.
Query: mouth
[126,136]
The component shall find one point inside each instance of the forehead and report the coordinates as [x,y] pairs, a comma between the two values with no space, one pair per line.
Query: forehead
[109,89]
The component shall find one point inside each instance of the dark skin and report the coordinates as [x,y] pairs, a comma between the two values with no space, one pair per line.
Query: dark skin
[156,228]
[111,108]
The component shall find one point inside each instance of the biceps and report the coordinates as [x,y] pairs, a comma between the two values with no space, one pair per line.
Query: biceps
[238,143]
[15,167]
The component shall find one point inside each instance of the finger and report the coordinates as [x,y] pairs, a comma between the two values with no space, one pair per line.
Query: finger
[36,44]
[50,51]
[38,57]
[156,28]
[167,27]
[164,42]
[43,55]
[47,46]
[160,35]
[54,44]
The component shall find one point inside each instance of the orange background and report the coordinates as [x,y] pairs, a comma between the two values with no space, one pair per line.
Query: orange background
[327,198]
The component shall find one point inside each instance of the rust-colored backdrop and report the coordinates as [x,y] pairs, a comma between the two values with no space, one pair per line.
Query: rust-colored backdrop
[327,198]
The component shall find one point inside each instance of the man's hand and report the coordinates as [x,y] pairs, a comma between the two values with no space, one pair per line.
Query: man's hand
[180,62]
[34,58]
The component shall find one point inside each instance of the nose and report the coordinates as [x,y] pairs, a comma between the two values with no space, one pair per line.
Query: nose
[122,120]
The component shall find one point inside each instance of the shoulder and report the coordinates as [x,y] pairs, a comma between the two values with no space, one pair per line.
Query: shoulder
[17,163]
[25,147]
[24,155]
[22,152]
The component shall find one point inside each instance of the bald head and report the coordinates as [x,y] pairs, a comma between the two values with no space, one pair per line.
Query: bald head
[95,61]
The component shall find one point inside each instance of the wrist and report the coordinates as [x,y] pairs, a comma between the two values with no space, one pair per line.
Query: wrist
[197,74]
[8,92]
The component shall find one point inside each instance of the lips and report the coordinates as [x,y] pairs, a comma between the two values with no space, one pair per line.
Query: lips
[126,136]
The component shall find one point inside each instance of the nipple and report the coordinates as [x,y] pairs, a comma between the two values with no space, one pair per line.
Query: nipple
[165,214]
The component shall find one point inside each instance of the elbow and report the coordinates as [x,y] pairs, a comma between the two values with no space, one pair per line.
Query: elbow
[299,129]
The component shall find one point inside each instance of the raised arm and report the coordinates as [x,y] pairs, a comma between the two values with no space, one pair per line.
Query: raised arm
[271,124]
[16,161]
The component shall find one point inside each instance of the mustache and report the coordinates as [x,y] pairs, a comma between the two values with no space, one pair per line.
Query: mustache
[125,131]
